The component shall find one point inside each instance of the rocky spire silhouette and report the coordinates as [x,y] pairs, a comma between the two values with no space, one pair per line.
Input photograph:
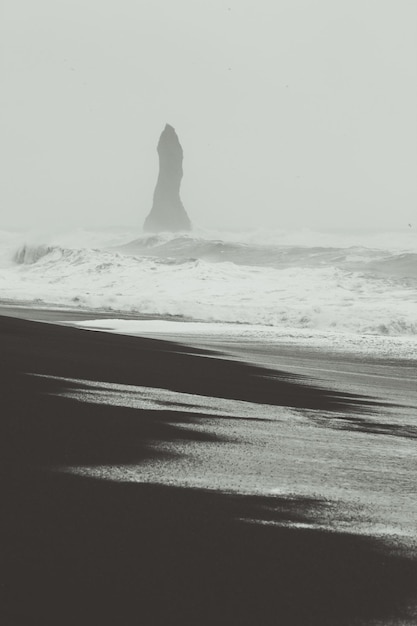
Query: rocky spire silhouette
[168,213]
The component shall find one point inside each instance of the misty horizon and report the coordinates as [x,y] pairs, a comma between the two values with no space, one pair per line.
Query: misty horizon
[290,116]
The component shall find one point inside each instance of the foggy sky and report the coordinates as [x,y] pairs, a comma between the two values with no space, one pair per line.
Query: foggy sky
[291,113]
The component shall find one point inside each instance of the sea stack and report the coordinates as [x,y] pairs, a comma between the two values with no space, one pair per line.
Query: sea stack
[168,213]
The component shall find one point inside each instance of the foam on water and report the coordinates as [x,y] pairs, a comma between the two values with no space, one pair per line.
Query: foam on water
[301,282]
[386,346]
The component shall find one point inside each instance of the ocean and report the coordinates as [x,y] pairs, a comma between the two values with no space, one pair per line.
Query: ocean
[344,290]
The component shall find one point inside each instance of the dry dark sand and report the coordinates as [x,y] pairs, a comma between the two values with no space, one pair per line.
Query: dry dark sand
[78,550]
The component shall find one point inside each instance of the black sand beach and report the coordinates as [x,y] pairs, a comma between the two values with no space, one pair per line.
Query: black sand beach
[79,550]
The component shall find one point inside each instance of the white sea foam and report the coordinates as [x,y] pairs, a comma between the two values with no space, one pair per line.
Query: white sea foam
[382,346]
[274,281]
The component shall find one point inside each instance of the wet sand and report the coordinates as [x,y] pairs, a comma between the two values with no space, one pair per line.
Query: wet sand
[208,503]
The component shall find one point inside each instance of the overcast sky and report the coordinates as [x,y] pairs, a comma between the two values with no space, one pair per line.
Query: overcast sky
[291,113]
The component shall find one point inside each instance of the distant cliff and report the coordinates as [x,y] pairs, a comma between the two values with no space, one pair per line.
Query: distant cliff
[168,213]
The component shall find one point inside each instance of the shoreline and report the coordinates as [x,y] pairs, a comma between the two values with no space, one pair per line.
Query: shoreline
[218,334]
[357,372]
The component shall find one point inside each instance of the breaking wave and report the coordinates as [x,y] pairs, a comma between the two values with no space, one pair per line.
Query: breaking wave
[359,258]
[345,289]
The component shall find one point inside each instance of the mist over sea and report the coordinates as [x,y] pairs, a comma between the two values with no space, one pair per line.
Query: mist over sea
[294,284]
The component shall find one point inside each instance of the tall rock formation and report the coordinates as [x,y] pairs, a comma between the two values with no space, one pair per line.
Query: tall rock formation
[168,213]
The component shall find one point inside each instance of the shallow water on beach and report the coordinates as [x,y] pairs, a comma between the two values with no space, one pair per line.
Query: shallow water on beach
[363,467]
[203,333]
